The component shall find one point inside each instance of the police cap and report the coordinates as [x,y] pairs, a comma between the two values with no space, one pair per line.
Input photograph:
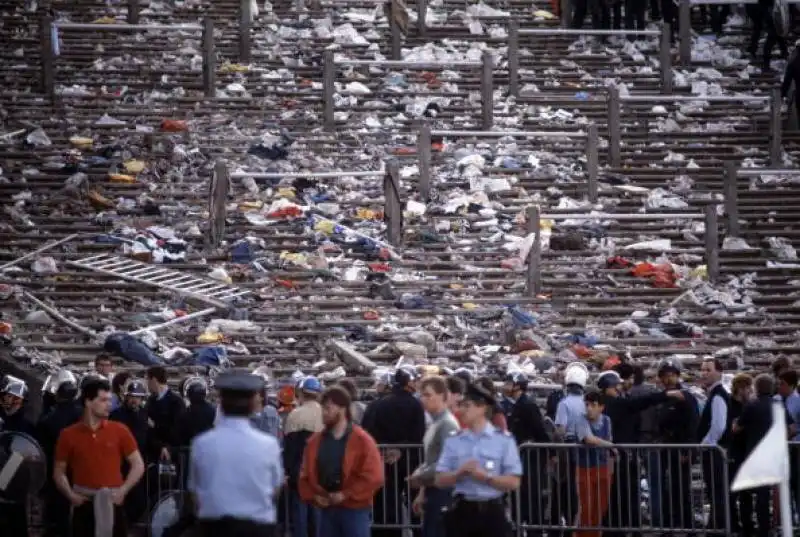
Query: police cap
[239,381]
[480,395]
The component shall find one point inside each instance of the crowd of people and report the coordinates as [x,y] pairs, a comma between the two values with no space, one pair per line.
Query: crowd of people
[445,445]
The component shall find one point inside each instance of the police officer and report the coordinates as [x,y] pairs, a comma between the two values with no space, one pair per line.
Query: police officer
[63,413]
[12,413]
[525,424]
[570,413]
[235,470]
[481,464]
[200,414]
[131,412]
[677,424]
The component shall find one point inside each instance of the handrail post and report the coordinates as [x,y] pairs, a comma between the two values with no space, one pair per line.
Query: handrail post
[614,127]
[685,32]
[48,57]
[328,76]
[665,58]
[732,198]
[487,90]
[245,24]
[776,129]
[209,59]
[393,211]
[592,162]
[712,242]
[424,158]
[533,280]
[513,58]
[133,12]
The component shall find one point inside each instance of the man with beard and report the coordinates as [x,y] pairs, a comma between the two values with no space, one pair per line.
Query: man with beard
[134,416]
[64,413]
[342,470]
[92,452]
[397,419]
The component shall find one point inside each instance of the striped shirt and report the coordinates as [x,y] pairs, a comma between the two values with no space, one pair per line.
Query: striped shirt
[267,421]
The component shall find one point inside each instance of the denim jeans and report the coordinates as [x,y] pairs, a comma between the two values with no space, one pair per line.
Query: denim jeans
[301,513]
[343,522]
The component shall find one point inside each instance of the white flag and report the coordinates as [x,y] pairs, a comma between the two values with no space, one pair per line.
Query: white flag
[768,464]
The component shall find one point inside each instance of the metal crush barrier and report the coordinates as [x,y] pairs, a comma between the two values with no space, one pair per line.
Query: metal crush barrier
[627,488]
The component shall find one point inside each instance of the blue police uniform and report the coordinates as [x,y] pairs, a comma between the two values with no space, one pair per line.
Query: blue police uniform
[235,470]
[478,508]
[570,415]
[495,451]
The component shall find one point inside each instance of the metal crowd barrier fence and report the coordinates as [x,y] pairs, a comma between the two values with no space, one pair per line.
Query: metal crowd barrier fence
[626,488]
[50,48]
[486,66]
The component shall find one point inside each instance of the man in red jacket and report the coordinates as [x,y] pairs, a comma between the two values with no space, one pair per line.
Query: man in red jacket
[342,470]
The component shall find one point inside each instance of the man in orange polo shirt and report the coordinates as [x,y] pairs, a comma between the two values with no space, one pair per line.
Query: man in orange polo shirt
[93,449]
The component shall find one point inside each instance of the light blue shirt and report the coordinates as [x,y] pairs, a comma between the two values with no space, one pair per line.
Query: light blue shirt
[571,415]
[719,419]
[792,404]
[235,470]
[267,421]
[115,402]
[495,451]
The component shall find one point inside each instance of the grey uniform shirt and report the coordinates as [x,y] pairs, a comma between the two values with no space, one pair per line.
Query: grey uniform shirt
[441,428]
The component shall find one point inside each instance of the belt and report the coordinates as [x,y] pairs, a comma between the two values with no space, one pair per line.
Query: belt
[460,498]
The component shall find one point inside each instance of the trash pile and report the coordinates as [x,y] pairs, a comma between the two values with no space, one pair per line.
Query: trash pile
[306,277]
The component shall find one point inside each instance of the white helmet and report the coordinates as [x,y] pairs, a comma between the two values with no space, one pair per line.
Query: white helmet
[576,373]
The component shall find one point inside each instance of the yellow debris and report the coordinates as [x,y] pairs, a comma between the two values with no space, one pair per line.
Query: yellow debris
[324,226]
[469,306]
[251,205]
[81,143]
[210,337]
[286,192]
[105,20]
[121,178]
[228,67]
[134,166]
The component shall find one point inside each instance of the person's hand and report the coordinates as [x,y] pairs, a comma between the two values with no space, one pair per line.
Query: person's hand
[413,481]
[165,454]
[150,422]
[392,456]
[614,453]
[468,467]
[77,499]
[418,503]
[335,498]
[118,496]
[322,501]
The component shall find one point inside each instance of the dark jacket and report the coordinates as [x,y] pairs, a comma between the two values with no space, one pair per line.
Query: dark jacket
[17,422]
[756,420]
[197,419]
[677,420]
[294,445]
[737,448]
[136,421]
[60,416]
[624,410]
[398,418]
[646,421]
[704,425]
[165,413]
[551,404]
[525,421]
